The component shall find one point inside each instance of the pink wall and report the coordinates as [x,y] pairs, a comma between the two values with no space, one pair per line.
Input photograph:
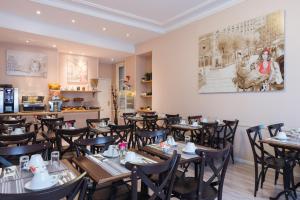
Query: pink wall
[175,62]
[29,85]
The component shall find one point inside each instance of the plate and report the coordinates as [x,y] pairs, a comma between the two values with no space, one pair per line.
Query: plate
[105,153]
[188,152]
[51,183]
[137,161]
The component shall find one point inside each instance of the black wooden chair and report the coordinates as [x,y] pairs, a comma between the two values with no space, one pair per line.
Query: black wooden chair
[150,123]
[74,189]
[149,137]
[97,145]
[263,158]
[227,134]
[123,133]
[126,115]
[159,190]
[206,135]
[172,115]
[91,124]
[49,126]
[11,154]
[207,187]
[17,140]
[194,118]
[69,136]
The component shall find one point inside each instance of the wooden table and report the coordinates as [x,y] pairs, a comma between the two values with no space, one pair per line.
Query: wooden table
[293,144]
[16,183]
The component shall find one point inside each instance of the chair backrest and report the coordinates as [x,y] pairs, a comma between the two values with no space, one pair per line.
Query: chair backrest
[230,130]
[274,129]
[69,190]
[52,123]
[172,120]
[121,132]
[14,121]
[99,143]
[254,135]
[150,122]
[21,139]
[208,132]
[69,135]
[91,122]
[172,115]
[194,118]
[149,137]
[126,115]
[12,153]
[166,171]
[217,162]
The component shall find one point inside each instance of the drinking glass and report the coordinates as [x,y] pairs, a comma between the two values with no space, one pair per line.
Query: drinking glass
[55,158]
[9,130]
[23,163]
[187,138]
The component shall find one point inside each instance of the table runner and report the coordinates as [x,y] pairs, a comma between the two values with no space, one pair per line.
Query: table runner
[16,184]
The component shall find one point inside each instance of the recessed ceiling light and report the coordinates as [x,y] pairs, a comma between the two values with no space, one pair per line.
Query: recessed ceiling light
[127,34]
[104,28]
[112,59]
[27,41]
[54,45]
[73,21]
[38,12]
[70,52]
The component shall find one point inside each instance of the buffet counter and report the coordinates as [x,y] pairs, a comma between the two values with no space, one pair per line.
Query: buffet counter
[49,113]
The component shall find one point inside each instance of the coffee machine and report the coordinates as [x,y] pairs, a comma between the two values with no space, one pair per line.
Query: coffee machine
[9,100]
[55,104]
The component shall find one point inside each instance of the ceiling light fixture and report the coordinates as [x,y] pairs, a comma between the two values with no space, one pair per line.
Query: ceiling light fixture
[127,34]
[27,41]
[38,12]
[112,59]
[70,52]
[54,45]
[104,28]
[73,21]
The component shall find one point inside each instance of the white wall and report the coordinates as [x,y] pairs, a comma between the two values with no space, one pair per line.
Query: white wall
[175,62]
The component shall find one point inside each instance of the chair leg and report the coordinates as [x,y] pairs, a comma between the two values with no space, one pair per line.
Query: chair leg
[256,181]
[276,177]
[232,156]
[263,178]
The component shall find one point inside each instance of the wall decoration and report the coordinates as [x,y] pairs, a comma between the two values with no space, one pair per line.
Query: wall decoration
[77,69]
[25,63]
[248,56]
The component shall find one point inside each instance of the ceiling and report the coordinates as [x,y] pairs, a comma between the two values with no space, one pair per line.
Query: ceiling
[102,27]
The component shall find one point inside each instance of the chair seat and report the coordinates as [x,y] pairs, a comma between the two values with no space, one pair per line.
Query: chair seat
[275,163]
[187,188]
[49,136]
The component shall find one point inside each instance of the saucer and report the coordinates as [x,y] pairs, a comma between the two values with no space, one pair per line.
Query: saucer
[50,184]
[106,154]
[281,138]
[188,152]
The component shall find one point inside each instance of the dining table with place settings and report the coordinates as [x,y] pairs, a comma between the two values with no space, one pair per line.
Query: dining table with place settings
[15,180]
[286,141]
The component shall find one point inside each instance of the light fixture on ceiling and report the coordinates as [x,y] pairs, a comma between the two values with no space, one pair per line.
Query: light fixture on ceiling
[38,12]
[54,45]
[27,41]
[104,28]
[70,52]
[127,34]
[73,21]
[112,59]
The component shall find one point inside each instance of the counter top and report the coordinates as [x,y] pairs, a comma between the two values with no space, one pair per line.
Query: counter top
[47,113]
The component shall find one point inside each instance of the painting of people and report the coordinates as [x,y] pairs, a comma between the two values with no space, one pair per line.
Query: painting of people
[77,69]
[245,57]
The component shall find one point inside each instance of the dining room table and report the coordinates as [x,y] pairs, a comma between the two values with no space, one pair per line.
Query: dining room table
[105,170]
[291,143]
[13,179]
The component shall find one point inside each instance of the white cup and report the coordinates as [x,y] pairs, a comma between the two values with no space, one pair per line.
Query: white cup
[112,150]
[281,135]
[190,147]
[195,124]
[130,156]
[182,122]
[37,161]
[40,179]
[18,131]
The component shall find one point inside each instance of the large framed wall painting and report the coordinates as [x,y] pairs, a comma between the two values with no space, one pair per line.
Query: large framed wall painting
[248,56]
[77,69]
[26,63]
